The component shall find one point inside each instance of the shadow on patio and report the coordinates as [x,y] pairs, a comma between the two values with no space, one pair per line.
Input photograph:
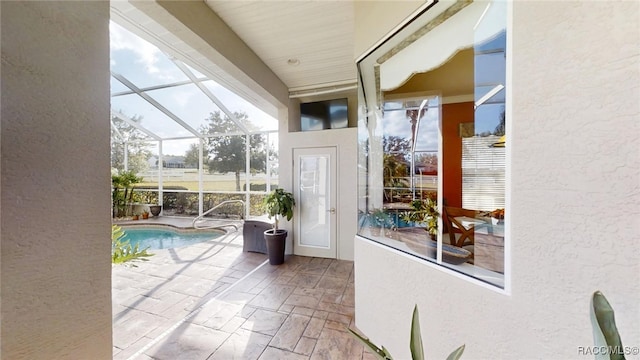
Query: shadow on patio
[212,301]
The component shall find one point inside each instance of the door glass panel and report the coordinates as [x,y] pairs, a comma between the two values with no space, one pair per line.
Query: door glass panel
[314,200]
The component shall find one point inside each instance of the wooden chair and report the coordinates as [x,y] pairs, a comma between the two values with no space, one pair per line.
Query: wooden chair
[454,226]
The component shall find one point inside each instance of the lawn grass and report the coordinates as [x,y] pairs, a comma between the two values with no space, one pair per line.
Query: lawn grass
[193,185]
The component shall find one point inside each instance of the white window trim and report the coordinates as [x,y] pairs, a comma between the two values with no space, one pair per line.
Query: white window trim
[506,289]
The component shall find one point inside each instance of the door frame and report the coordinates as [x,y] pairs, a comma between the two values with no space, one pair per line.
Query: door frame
[332,215]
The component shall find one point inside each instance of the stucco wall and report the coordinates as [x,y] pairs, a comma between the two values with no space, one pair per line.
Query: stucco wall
[55,224]
[572,205]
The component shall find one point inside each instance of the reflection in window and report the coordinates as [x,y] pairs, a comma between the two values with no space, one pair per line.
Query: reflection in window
[432,139]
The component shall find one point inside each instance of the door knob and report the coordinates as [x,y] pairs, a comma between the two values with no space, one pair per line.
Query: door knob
[332,210]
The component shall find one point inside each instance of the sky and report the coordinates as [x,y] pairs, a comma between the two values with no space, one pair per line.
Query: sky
[145,65]
[396,123]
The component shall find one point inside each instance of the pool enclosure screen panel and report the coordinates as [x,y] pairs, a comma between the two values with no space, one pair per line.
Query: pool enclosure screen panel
[193,142]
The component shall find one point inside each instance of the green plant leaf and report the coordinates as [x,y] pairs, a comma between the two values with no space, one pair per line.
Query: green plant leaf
[456,354]
[279,203]
[606,323]
[381,354]
[121,249]
[415,344]
[386,353]
[417,350]
[424,212]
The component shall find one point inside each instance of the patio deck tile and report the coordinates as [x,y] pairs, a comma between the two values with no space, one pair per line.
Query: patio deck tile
[242,344]
[305,346]
[290,332]
[212,301]
[264,321]
[332,283]
[135,325]
[272,353]
[272,297]
[334,344]
[188,341]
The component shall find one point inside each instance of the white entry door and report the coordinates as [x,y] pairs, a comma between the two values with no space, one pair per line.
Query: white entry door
[315,212]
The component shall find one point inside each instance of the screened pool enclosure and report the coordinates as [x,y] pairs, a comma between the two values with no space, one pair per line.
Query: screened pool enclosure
[191,142]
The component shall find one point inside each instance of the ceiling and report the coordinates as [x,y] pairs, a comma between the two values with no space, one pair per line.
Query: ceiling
[307,44]
[301,48]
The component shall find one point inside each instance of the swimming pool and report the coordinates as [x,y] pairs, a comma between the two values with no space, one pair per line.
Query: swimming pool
[156,238]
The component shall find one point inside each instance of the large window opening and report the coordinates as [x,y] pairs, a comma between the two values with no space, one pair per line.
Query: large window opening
[432,134]
[191,142]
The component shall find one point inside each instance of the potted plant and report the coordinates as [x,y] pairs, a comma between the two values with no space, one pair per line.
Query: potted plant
[151,199]
[424,212]
[277,203]
[145,214]
[155,209]
[135,216]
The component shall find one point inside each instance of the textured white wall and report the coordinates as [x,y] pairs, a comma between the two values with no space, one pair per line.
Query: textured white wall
[55,225]
[575,190]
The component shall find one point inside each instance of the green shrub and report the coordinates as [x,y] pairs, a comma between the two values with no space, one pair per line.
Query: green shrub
[122,191]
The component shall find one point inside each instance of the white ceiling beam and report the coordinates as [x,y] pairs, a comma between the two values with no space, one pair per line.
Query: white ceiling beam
[118,133]
[157,87]
[135,124]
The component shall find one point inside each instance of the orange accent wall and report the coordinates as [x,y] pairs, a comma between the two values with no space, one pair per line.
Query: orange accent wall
[452,116]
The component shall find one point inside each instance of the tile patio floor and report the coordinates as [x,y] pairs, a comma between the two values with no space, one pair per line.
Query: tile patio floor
[212,301]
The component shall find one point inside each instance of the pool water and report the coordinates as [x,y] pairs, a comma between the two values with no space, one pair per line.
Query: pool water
[166,239]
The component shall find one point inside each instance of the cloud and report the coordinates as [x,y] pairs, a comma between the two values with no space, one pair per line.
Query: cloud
[182,97]
[146,54]
[396,123]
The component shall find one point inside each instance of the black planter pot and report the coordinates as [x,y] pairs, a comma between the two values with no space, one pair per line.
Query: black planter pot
[155,209]
[275,240]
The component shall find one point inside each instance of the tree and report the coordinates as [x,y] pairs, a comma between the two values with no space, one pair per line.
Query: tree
[396,147]
[192,156]
[397,154]
[501,127]
[122,132]
[226,153]
[395,144]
